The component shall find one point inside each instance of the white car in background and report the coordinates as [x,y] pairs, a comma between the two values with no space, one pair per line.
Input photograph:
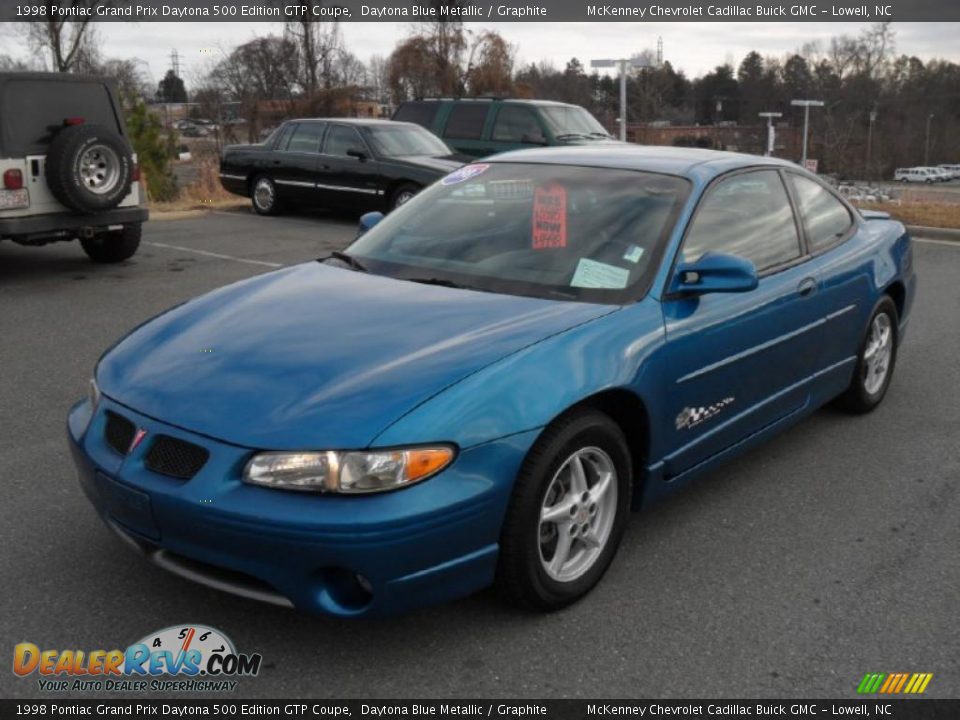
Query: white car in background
[952,170]
[916,175]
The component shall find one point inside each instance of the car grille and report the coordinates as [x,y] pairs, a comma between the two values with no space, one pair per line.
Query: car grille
[119,432]
[175,458]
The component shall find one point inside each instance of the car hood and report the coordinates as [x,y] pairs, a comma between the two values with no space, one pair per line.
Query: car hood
[439,163]
[316,356]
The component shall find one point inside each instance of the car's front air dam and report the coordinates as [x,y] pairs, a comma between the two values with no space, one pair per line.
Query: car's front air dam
[346,556]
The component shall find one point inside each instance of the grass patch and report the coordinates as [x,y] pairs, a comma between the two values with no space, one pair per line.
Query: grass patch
[929,214]
[204,193]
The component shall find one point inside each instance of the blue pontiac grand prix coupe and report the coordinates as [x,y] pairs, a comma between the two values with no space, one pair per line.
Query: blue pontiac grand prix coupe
[489,379]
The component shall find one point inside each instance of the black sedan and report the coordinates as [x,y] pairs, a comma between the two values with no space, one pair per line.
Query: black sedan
[337,163]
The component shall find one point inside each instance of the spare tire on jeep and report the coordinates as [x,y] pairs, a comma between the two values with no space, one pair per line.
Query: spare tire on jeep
[89,168]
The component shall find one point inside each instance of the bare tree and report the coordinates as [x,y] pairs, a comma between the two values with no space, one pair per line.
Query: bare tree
[318,42]
[68,43]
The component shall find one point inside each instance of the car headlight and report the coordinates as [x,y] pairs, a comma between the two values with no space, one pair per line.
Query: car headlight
[347,472]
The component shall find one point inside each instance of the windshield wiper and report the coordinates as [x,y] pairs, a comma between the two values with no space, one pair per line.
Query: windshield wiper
[601,135]
[570,135]
[348,259]
[439,281]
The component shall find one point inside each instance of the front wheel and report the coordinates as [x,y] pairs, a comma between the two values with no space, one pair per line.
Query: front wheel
[263,194]
[113,246]
[875,361]
[567,514]
[403,195]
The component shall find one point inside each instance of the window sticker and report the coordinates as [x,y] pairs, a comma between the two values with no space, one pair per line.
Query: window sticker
[549,217]
[465,173]
[633,254]
[593,274]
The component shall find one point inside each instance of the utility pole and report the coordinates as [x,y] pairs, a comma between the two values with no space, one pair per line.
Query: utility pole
[873,117]
[806,105]
[771,133]
[622,64]
[926,145]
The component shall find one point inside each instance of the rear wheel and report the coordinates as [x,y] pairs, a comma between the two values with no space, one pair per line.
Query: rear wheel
[113,246]
[263,194]
[568,513]
[875,361]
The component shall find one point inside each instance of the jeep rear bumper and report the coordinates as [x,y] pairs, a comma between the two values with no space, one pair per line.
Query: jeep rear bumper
[66,226]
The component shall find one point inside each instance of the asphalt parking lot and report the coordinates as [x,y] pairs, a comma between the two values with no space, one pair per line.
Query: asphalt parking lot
[829,553]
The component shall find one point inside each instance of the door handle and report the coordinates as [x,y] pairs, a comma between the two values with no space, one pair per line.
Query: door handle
[807,287]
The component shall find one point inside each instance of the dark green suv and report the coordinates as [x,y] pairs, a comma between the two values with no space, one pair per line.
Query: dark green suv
[483,126]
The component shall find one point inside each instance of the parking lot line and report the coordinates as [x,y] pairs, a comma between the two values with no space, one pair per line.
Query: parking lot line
[214,255]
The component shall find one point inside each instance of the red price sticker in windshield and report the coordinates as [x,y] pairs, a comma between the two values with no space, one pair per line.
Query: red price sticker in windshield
[550,217]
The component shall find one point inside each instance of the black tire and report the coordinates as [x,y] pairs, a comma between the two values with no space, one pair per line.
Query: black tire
[89,168]
[859,398]
[402,194]
[263,196]
[521,576]
[113,246]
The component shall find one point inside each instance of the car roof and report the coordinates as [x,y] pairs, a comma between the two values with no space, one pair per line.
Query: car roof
[687,162]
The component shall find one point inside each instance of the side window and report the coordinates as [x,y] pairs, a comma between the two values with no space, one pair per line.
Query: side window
[825,218]
[748,215]
[466,121]
[517,124]
[306,138]
[421,113]
[340,139]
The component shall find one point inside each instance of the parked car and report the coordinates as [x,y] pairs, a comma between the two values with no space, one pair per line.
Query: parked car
[916,175]
[484,126]
[952,170]
[489,378]
[336,163]
[68,170]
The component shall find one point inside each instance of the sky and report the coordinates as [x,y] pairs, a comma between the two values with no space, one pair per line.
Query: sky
[694,47]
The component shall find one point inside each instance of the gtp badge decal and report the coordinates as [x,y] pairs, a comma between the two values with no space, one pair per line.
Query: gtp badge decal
[691,417]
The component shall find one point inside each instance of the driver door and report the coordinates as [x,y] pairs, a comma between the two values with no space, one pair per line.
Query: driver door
[737,362]
[346,180]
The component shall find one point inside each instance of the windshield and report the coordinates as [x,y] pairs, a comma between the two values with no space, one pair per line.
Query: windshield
[591,234]
[405,140]
[572,120]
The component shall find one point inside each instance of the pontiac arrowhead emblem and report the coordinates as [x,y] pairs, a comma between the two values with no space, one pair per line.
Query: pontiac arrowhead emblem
[137,439]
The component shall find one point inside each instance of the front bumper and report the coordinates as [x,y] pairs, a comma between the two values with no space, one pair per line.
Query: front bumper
[428,543]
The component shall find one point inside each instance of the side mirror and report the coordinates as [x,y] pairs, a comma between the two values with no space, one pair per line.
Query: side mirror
[715,272]
[368,220]
[357,153]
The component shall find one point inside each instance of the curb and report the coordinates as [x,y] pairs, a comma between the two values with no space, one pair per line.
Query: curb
[934,233]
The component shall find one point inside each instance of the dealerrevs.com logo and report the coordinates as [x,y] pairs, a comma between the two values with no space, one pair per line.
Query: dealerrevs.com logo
[202,659]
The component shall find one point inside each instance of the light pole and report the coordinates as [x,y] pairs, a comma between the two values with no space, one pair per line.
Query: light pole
[622,64]
[926,145]
[771,133]
[873,117]
[806,105]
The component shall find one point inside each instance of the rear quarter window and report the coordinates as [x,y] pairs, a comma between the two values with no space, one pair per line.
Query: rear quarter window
[32,111]
[421,113]
[826,219]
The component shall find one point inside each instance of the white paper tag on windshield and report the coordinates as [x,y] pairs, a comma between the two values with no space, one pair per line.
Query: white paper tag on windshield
[633,254]
[593,274]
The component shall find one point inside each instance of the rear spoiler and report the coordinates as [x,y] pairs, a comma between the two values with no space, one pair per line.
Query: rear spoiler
[875,215]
